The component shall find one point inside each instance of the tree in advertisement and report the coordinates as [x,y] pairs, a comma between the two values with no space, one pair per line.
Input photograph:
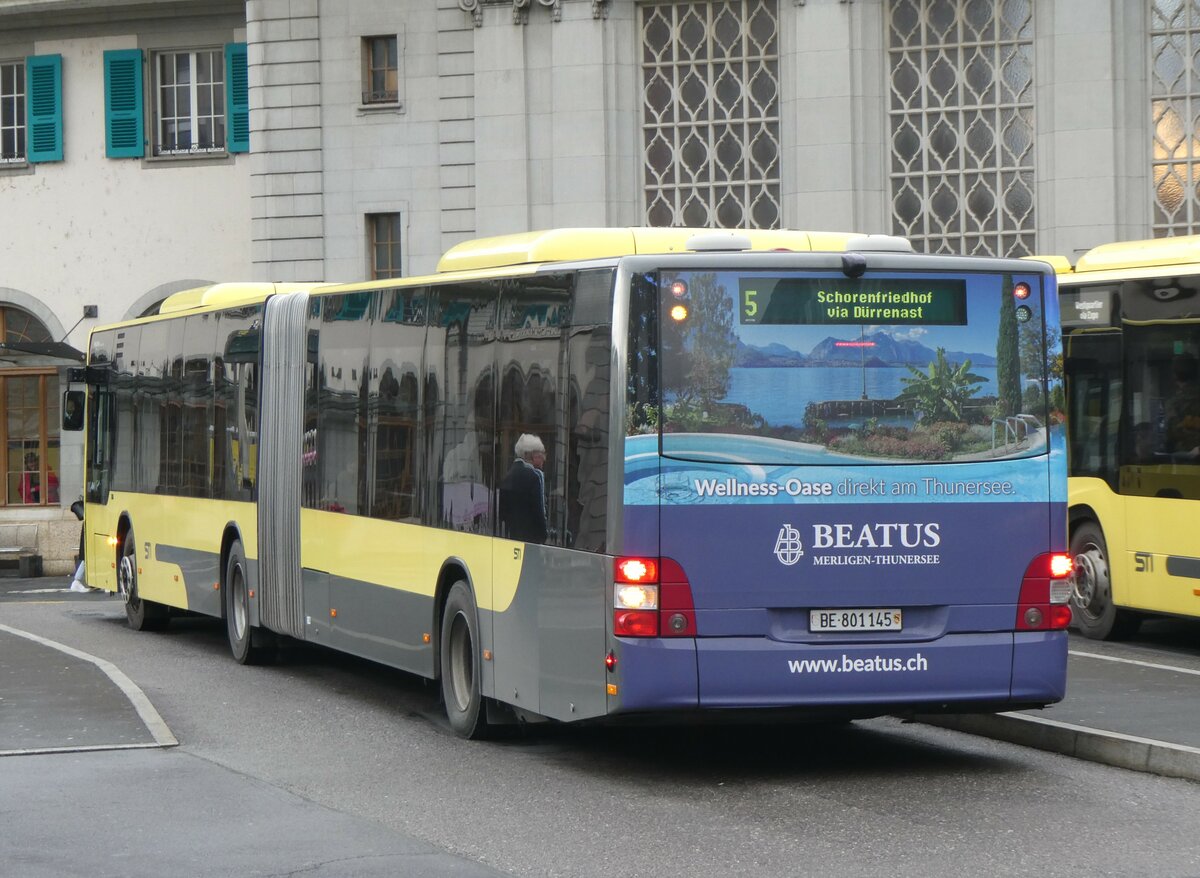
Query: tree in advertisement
[1008,354]
[698,352]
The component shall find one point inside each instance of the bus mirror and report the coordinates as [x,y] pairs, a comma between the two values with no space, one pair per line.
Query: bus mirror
[72,410]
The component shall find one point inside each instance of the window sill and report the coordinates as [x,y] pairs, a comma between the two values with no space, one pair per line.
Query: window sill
[395,108]
[188,158]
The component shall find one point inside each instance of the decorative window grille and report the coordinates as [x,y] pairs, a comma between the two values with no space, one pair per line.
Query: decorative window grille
[190,102]
[961,122]
[710,113]
[1175,112]
[12,112]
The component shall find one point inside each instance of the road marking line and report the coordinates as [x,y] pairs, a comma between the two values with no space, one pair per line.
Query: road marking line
[37,591]
[1157,667]
[150,717]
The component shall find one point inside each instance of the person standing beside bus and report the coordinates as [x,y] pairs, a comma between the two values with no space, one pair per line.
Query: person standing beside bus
[523,492]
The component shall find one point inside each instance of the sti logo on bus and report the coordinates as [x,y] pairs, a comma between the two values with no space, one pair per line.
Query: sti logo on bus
[788,548]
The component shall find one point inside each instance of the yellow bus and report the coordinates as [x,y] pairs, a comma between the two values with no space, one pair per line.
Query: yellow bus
[589,474]
[1131,326]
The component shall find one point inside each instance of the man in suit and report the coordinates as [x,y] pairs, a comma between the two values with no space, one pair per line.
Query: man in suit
[523,493]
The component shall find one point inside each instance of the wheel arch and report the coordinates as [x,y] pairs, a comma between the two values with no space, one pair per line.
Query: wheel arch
[453,570]
[231,534]
[1080,513]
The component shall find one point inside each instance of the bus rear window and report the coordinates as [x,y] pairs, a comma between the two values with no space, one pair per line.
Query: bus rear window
[821,368]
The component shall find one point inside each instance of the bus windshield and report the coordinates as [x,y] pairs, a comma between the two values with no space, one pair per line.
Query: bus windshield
[820,368]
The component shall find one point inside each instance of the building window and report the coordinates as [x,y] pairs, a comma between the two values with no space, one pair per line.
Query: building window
[189,91]
[380,70]
[1175,105]
[960,112]
[710,113]
[12,111]
[29,422]
[383,230]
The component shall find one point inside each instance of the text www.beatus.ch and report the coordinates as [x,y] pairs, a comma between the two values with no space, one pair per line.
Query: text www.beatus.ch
[848,665]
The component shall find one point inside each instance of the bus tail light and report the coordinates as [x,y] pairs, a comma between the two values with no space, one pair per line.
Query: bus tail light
[652,598]
[1045,593]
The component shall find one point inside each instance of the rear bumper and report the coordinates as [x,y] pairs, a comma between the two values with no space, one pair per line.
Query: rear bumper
[990,671]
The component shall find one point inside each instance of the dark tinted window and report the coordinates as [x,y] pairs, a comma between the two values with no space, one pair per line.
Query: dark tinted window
[342,437]
[535,313]
[124,362]
[200,339]
[589,354]
[393,403]
[460,406]
[150,402]
[235,417]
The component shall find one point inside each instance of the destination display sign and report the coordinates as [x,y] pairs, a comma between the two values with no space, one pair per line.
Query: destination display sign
[1091,306]
[814,300]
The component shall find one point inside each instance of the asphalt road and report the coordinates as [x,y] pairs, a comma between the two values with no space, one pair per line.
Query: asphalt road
[368,746]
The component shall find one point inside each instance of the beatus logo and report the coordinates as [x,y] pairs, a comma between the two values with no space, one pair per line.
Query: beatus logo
[788,548]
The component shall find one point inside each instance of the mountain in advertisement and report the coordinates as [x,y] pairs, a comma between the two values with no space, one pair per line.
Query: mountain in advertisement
[883,350]
[766,356]
[886,350]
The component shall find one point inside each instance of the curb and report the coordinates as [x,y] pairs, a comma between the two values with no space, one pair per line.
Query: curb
[1081,742]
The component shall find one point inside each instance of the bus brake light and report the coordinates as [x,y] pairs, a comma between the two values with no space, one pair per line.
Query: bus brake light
[652,598]
[1045,591]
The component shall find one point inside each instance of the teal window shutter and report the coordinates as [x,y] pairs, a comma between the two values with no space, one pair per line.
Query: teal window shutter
[45,118]
[123,120]
[237,98]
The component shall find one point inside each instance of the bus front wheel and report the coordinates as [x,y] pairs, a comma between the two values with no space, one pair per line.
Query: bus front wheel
[250,646]
[142,615]
[460,661]
[1093,611]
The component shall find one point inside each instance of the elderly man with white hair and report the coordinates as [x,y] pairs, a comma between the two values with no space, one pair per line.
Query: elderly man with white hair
[523,492]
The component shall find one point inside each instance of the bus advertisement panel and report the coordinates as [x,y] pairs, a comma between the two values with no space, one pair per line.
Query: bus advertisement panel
[858,480]
[595,474]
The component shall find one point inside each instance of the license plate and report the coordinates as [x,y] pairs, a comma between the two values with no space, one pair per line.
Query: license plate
[854,620]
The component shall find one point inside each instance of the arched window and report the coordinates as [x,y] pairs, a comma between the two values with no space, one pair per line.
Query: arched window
[29,422]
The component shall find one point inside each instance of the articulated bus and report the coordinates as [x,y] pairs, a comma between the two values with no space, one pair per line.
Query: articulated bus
[783,474]
[1131,324]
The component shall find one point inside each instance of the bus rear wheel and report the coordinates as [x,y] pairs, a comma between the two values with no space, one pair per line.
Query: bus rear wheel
[142,615]
[249,645]
[1093,611]
[460,664]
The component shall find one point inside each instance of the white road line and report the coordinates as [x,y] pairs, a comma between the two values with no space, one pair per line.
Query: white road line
[150,717]
[1111,658]
[36,590]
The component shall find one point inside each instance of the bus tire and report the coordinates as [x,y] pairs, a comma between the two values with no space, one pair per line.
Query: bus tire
[460,654]
[249,645]
[142,615]
[1092,609]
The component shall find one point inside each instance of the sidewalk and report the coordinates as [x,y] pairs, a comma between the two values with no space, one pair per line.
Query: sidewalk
[1140,715]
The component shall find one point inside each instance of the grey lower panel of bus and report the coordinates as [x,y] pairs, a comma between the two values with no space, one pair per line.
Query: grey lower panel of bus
[200,570]
[386,625]
[548,646]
